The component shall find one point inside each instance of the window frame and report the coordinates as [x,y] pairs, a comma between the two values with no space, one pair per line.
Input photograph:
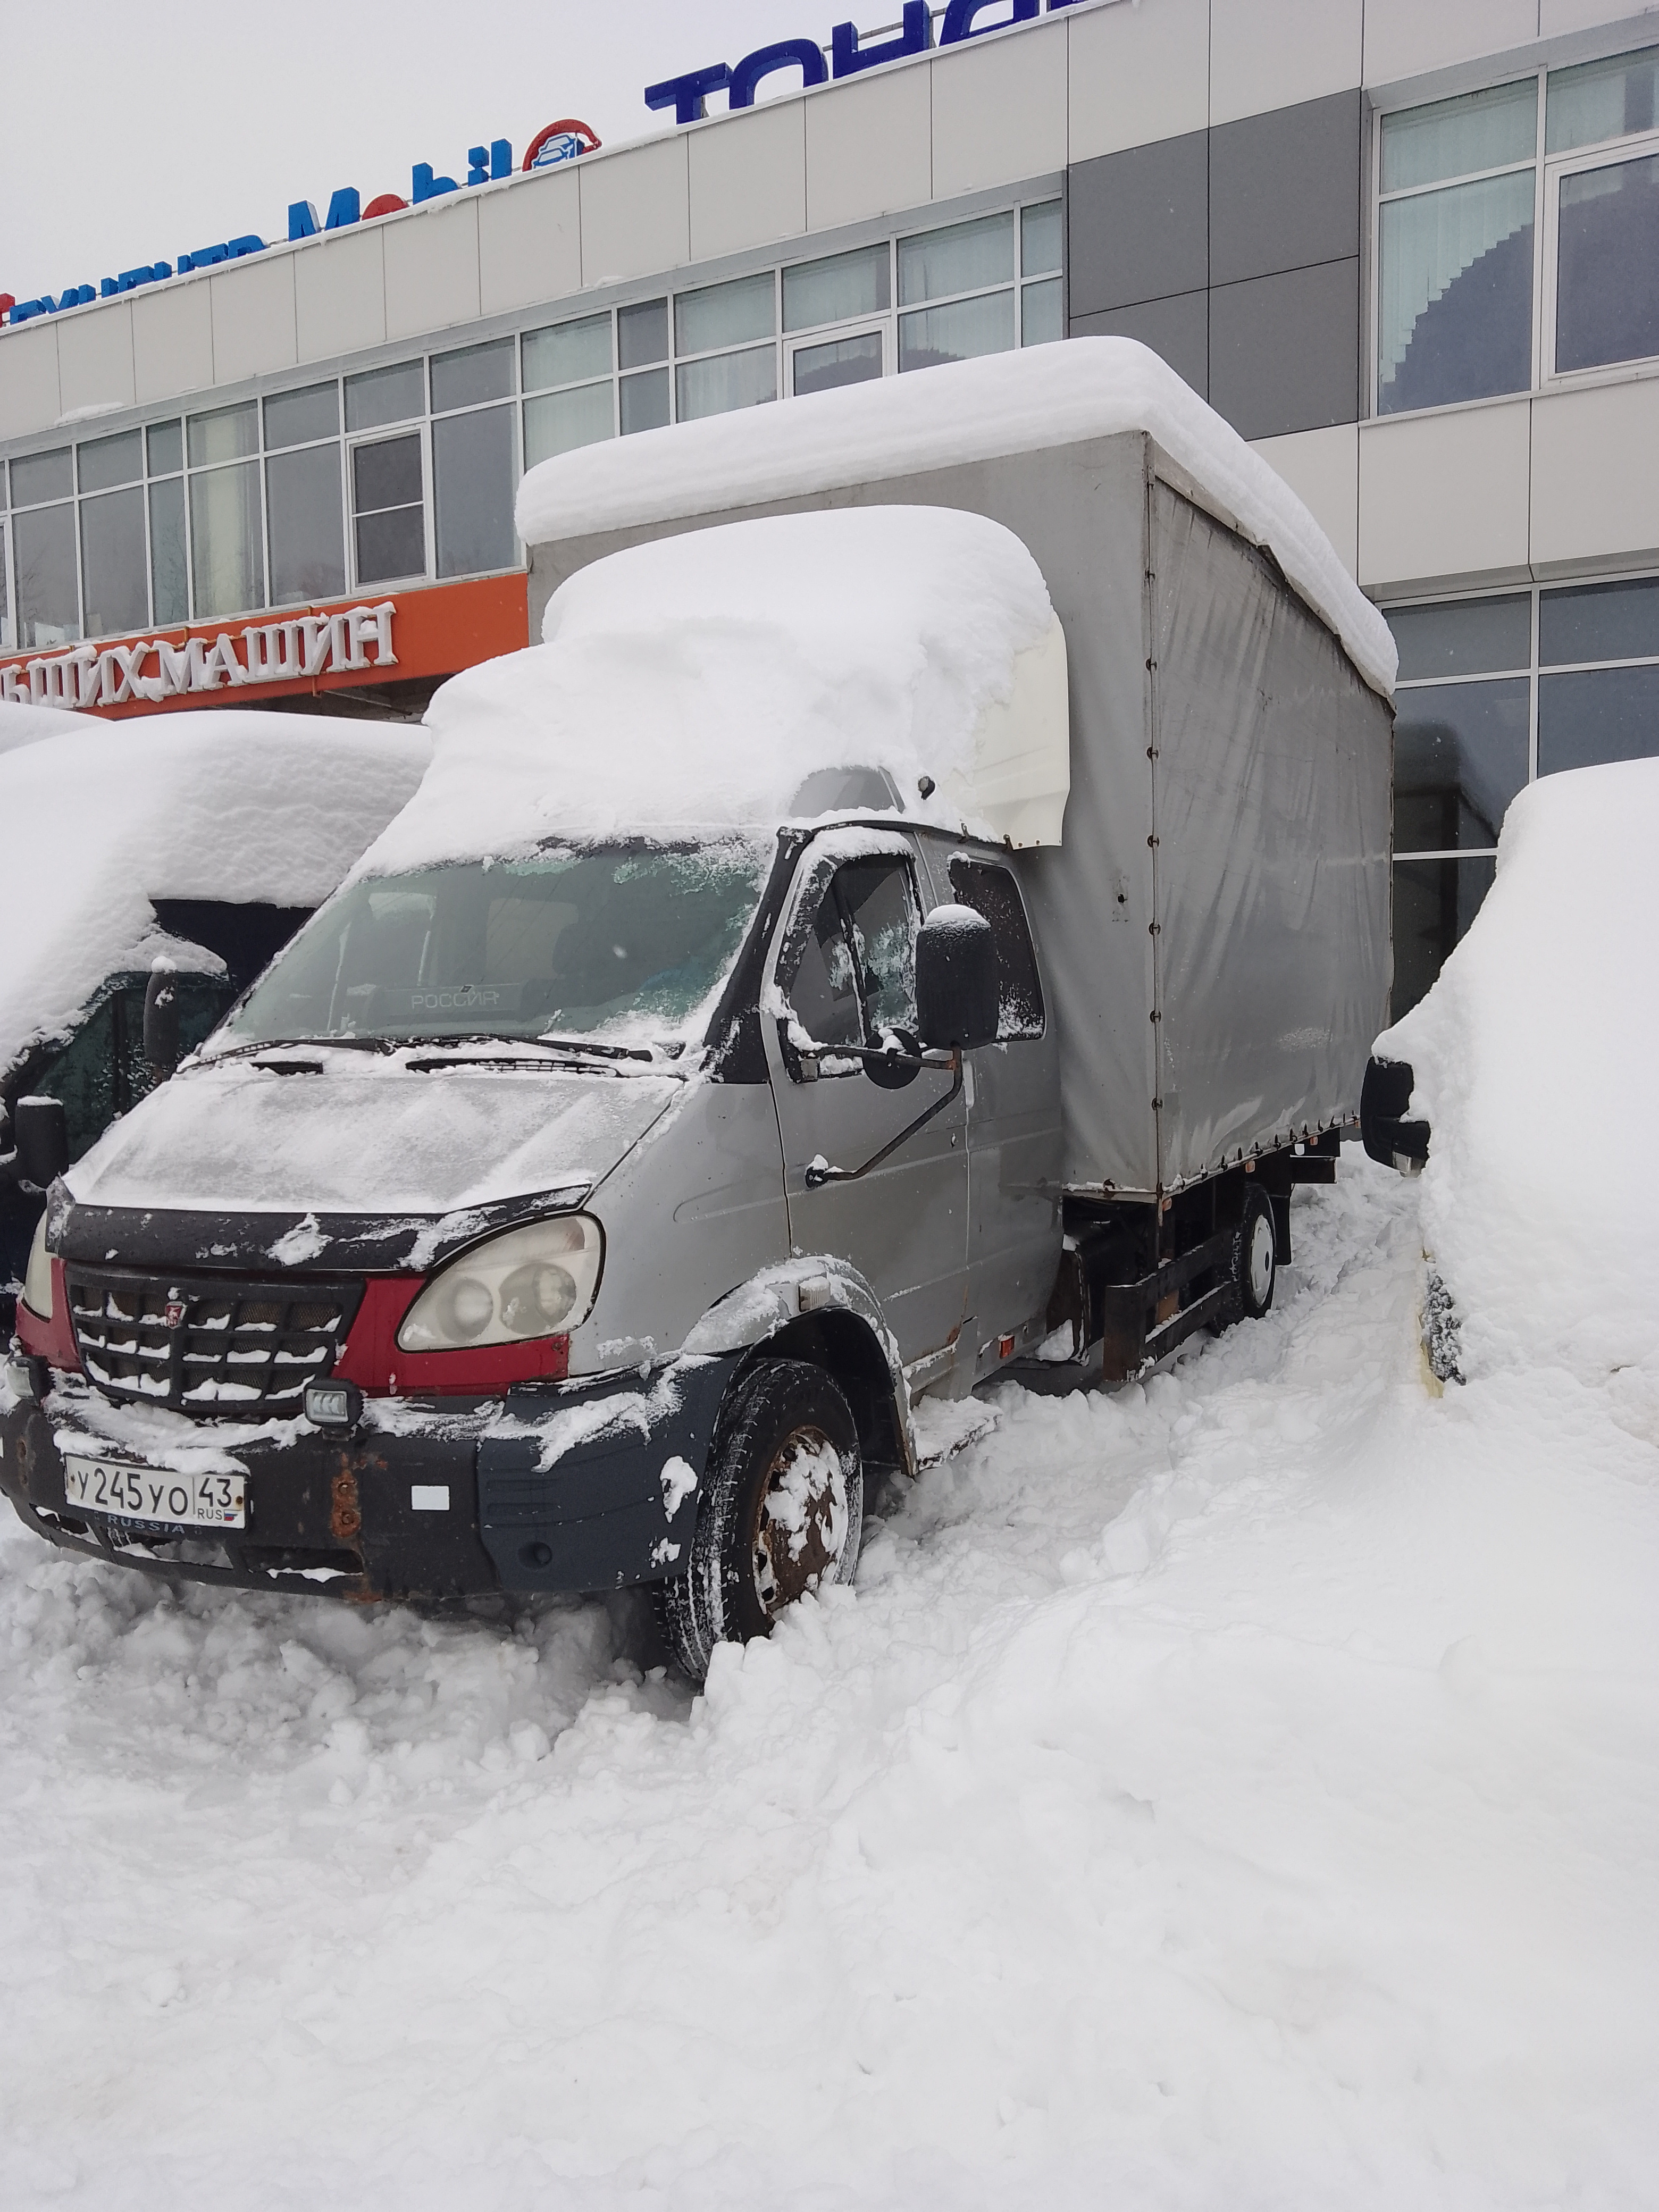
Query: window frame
[1582,161]
[384,433]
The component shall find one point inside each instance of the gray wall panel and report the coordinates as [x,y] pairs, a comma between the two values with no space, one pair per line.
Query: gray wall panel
[1285,189]
[1139,224]
[1177,330]
[1285,350]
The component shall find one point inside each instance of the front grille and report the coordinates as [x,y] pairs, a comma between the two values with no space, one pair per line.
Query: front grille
[207,1345]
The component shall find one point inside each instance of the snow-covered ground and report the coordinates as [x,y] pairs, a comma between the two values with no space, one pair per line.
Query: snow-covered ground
[1238,1792]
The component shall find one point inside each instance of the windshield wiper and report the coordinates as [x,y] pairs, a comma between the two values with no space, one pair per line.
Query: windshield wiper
[249,1048]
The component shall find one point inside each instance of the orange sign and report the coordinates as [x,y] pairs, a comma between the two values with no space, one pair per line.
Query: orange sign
[430,630]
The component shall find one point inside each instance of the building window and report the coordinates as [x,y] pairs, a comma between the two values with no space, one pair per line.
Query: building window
[388,508]
[227,526]
[568,366]
[302,494]
[475,458]
[1493,692]
[169,567]
[43,550]
[1517,232]
[642,355]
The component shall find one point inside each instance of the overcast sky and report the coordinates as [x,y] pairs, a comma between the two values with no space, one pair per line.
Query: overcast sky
[135,133]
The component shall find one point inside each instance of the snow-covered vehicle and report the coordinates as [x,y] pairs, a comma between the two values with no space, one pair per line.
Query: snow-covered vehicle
[860,953]
[198,840]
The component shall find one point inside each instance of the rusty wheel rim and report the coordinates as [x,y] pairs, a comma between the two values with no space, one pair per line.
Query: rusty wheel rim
[801,1521]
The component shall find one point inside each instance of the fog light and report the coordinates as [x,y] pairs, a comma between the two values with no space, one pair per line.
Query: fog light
[334,1405]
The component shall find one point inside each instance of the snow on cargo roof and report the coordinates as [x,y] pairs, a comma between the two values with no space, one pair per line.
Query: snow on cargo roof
[216,803]
[702,680]
[969,410]
[25,724]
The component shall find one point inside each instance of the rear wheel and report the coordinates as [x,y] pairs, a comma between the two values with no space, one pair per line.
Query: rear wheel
[782,1511]
[1254,1255]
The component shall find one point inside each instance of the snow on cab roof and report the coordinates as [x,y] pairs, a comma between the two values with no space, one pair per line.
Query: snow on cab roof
[969,411]
[211,803]
[701,680]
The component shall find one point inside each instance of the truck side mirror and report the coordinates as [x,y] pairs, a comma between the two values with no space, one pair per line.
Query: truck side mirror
[42,1137]
[1385,1097]
[957,995]
[162,1020]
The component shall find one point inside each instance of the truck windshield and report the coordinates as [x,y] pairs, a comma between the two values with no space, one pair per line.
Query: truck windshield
[597,940]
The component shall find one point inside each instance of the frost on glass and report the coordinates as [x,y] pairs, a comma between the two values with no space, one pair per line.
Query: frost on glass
[566,943]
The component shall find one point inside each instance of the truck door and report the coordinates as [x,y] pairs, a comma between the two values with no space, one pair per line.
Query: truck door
[844,972]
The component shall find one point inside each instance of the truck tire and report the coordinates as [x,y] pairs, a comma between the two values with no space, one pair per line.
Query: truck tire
[1254,1255]
[782,1511]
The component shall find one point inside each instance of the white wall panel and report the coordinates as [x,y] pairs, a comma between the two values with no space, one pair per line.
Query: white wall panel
[1138,74]
[253,327]
[1405,37]
[868,146]
[94,357]
[1443,496]
[1272,54]
[1596,475]
[748,180]
[635,215]
[530,245]
[999,109]
[172,340]
[1555,16]
[339,293]
[432,268]
[28,379]
[1322,467]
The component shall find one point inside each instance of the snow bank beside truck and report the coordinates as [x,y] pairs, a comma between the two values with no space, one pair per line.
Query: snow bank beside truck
[1536,1060]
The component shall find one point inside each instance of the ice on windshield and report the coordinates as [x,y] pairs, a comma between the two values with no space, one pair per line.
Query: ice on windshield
[604,939]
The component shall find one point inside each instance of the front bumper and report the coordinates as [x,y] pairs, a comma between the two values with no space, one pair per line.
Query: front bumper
[579,1487]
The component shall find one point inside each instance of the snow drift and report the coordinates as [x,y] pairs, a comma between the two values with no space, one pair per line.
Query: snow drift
[969,410]
[1536,1060]
[700,680]
[21,725]
[218,804]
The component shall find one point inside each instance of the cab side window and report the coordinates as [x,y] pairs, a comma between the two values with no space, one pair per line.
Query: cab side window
[101,1073]
[856,974]
[992,891]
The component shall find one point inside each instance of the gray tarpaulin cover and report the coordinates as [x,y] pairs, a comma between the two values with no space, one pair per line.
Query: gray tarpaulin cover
[1214,924]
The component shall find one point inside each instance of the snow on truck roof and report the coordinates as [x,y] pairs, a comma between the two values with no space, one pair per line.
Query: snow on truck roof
[212,804]
[971,411]
[702,680]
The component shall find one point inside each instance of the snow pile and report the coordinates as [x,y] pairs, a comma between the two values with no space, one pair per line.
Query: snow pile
[969,411]
[1536,1059]
[1234,1795]
[702,679]
[22,724]
[216,804]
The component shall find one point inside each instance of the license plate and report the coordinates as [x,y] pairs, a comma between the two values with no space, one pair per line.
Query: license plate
[153,1493]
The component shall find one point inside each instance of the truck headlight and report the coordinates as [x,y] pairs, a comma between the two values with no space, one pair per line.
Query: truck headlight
[540,1280]
[37,1277]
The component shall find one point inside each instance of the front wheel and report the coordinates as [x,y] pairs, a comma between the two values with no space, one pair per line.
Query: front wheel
[782,1511]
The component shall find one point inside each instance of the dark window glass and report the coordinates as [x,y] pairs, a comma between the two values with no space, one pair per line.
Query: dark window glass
[298,418]
[385,395]
[960,332]
[1460,755]
[1455,293]
[475,473]
[41,476]
[390,519]
[112,562]
[824,995]
[644,401]
[227,540]
[48,598]
[836,289]
[1599,622]
[1606,305]
[167,447]
[471,375]
[842,360]
[857,971]
[642,333]
[992,893]
[307,539]
[169,590]
[227,434]
[1463,637]
[101,1072]
[1597,715]
[1434,904]
[8,636]
[568,353]
[105,462]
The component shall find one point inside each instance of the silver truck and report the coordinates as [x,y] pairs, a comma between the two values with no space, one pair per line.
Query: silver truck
[456,1262]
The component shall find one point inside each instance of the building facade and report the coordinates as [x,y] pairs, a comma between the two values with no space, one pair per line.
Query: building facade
[1410,251]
